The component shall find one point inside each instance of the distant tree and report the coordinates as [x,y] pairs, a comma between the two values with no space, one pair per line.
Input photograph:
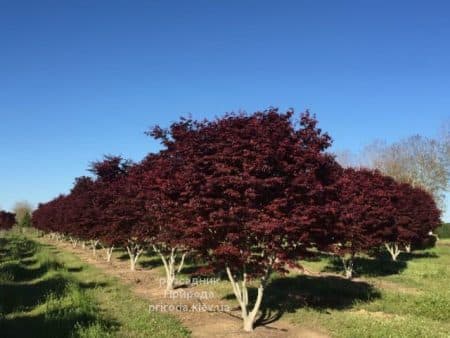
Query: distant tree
[416,160]
[415,215]
[346,158]
[23,209]
[444,139]
[26,221]
[365,213]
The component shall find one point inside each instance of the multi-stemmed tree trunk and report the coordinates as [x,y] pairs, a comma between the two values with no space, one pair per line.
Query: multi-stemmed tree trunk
[170,265]
[108,252]
[134,252]
[348,265]
[408,248]
[393,249]
[94,244]
[74,241]
[241,293]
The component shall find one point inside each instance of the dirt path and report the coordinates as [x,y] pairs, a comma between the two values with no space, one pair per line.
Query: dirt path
[202,324]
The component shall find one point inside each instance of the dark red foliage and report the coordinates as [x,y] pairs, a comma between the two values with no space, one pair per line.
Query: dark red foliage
[366,210]
[7,220]
[256,190]
[163,186]
[374,209]
[51,216]
[125,217]
[111,168]
[416,215]
[89,212]
[251,192]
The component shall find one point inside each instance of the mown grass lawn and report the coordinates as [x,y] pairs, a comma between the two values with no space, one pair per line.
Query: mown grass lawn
[45,292]
[410,298]
[48,293]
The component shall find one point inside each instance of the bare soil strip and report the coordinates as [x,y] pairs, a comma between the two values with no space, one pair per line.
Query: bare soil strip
[203,324]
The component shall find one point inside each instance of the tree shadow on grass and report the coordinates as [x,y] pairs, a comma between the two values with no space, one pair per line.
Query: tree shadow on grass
[92,285]
[17,249]
[60,322]
[404,256]
[150,262]
[317,257]
[23,289]
[24,297]
[21,273]
[75,269]
[123,256]
[52,324]
[369,267]
[29,261]
[288,294]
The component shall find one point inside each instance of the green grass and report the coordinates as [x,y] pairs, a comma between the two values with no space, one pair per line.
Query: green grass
[443,231]
[408,298]
[413,299]
[48,293]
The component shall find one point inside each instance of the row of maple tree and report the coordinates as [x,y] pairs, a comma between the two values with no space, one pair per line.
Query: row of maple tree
[248,194]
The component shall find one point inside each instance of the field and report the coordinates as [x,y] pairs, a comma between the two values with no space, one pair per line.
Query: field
[48,291]
[45,292]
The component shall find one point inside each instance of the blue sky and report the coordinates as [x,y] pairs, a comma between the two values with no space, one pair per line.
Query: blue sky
[79,79]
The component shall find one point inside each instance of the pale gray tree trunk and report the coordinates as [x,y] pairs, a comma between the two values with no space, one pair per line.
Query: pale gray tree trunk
[408,248]
[241,293]
[109,252]
[170,266]
[94,244]
[348,266]
[74,241]
[393,249]
[134,251]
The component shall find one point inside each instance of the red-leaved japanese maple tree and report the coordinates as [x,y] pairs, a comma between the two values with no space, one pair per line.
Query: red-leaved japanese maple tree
[415,216]
[166,183]
[129,223]
[118,213]
[366,208]
[52,217]
[7,220]
[257,194]
[80,212]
